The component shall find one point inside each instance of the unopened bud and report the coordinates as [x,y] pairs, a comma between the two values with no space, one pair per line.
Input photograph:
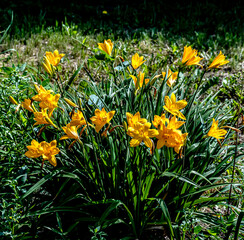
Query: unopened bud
[50,121]
[12,100]
[72,104]
[37,88]
[125,126]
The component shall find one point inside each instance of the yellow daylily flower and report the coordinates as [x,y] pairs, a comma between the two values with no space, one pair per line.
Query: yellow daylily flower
[40,117]
[171,138]
[27,105]
[101,118]
[44,149]
[159,120]
[172,77]
[42,93]
[137,61]
[190,57]
[78,119]
[48,67]
[174,107]
[34,150]
[54,58]
[107,46]
[142,133]
[139,80]
[215,131]
[218,61]
[49,151]
[50,101]
[133,119]
[71,132]
[174,123]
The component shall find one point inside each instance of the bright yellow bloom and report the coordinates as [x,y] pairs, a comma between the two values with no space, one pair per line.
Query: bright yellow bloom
[218,61]
[50,102]
[172,77]
[40,117]
[42,93]
[159,120]
[142,133]
[190,57]
[71,132]
[34,150]
[170,136]
[78,119]
[48,67]
[54,58]
[27,105]
[139,80]
[137,61]
[107,46]
[215,131]
[133,119]
[101,118]
[174,107]
[174,123]
[49,152]
[44,149]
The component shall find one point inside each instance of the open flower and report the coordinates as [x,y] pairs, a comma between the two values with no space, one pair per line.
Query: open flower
[71,132]
[78,119]
[139,80]
[218,61]
[133,119]
[142,133]
[101,118]
[190,57]
[48,67]
[42,93]
[137,61]
[174,107]
[54,58]
[50,101]
[215,131]
[40,117]
[49,152]
[171,136]
[172,77]
[34,150]
[159,120]
[107,46]
[27,105]
[44,149]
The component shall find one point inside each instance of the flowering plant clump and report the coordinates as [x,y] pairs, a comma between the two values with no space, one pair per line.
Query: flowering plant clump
[124,154]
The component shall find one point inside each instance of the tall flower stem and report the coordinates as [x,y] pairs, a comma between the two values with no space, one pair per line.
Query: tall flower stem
[234,165]
[195,93]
